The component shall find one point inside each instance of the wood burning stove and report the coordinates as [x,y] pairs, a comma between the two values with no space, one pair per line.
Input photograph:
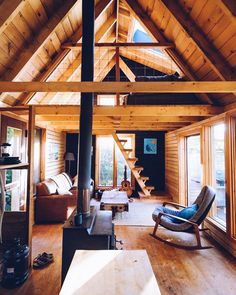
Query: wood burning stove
[95,233]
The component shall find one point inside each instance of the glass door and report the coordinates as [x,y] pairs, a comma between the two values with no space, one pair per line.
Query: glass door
[194,168]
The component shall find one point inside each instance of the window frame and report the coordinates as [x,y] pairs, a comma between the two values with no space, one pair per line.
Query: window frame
[209,129]
[183,172]
[115,185]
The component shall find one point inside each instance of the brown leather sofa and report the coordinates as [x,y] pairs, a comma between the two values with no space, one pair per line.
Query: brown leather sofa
[55,199]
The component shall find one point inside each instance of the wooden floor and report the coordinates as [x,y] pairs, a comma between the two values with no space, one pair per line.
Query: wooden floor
[177,271]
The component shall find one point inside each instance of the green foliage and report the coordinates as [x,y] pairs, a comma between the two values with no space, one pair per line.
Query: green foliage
[9,176]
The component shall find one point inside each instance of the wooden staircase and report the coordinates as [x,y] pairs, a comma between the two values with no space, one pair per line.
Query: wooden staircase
[136,170]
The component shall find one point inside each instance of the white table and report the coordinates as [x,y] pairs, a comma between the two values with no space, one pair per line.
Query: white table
[110,272]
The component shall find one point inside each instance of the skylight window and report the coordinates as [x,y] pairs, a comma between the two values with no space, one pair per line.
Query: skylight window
[140,35]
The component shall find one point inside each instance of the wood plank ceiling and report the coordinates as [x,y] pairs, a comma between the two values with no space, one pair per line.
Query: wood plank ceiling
[33,35]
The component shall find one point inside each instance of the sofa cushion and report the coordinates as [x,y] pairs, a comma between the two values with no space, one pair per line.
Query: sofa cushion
[62,181]
[47,187]
[68,178]
[63,191]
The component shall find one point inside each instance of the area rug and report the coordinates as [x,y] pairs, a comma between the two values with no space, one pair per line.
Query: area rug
[139,214]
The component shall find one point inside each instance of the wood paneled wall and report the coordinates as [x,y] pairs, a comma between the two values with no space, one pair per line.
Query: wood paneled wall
[172,166]
[54,166]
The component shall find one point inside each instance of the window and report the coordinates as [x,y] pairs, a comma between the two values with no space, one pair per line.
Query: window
[15,179]
[106,100]
[106,158]
[218,172]
[194,169]
[140,35]
[110,161]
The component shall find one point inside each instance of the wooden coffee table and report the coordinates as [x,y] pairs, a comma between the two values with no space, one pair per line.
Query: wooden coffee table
[116,201]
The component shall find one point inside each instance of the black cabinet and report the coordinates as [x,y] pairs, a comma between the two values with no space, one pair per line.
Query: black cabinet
[96,233]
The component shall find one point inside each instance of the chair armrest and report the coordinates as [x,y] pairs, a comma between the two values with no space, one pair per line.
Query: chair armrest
[177,217]
[176,205]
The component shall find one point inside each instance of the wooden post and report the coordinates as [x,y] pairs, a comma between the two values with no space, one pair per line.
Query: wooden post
[86,112]
[117,73]
[29,200]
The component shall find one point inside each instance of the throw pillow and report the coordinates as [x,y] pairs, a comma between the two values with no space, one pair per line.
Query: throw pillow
[195,207]
[63,191]
[186,213]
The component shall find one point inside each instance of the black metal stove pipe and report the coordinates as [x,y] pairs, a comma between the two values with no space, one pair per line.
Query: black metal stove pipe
[86,113]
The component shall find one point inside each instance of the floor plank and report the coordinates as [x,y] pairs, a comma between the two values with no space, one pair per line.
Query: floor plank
[202,272]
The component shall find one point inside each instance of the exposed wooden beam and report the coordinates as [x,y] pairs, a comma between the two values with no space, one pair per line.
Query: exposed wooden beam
[124,12]
[125,44]
[110,119]
[211,54]
[99,9]
[117,18]
[157,35]
[117,59]
[123,33]
[104,131]
[8,10]
[121,126]
[122,87]
[130,28]
[229,8]
[150,59]
[75,67]
[25,98]
[38,42]
[105,69]
[126,70]
[74,70]
[74,74]
[231,106]
[132,111]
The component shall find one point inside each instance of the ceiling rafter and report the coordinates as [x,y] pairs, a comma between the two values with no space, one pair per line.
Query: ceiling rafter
[126,70]
[156,34]
[117,19]
[100,8]
[216,61]
[100,72]
[229,8]
[38,42]
[147,58]
[8,10]
[75,66]
[108,64]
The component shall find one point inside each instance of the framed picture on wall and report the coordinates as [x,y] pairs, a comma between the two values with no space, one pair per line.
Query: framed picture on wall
[53,151]
[150,146]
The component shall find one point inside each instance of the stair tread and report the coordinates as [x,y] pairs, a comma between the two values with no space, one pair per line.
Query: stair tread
[133,159]
[123,140]
[144,177]
[138,168]
[150,187]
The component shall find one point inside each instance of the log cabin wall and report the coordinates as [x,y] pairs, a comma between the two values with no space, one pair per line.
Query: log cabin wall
[172,166]
[54,152]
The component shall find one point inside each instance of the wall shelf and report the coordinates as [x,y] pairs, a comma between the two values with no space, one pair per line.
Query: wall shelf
[14,166]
